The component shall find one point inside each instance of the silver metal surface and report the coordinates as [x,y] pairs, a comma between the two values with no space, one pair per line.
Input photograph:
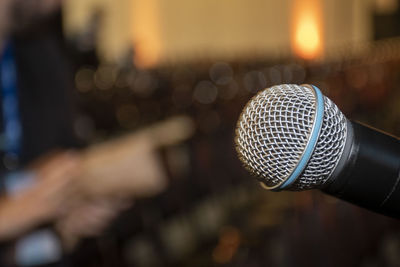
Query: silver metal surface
[273,131]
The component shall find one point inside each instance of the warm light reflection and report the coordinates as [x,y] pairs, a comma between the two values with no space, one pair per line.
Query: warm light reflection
[229,242]
[146,33]
[307,27]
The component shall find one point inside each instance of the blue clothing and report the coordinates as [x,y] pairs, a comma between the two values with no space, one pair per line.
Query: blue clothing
[11,136]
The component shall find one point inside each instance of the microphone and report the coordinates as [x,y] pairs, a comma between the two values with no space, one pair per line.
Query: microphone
[292,137]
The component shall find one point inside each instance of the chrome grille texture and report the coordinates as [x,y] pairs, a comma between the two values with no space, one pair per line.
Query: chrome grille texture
[273,130]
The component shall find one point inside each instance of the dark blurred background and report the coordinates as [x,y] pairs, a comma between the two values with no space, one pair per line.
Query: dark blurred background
[140,61]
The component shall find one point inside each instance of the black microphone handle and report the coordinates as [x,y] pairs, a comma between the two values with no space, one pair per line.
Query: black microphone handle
[370,174]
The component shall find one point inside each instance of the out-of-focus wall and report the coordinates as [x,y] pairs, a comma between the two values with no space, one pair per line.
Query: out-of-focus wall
[176,30]
[348,25]
[224,28]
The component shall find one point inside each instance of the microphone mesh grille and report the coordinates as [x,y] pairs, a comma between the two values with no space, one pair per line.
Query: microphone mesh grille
[328,150]
[273,131]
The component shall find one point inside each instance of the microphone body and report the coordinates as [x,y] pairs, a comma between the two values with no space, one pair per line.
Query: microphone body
[368,173]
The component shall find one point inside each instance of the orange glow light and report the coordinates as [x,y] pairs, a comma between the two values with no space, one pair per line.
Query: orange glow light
[146,33]
[306,36]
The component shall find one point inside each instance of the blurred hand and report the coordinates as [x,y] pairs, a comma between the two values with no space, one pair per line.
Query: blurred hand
[83,192]
[47,199]
[56,188]
[130,166]
[125,168]
[88,219]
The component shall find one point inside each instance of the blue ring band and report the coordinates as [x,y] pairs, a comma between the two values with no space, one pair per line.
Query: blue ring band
[319,115]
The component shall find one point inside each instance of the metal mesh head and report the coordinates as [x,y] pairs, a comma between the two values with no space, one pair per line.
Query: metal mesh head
[274,129]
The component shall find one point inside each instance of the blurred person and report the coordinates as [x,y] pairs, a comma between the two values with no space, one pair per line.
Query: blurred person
[69,189]
[36,117]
